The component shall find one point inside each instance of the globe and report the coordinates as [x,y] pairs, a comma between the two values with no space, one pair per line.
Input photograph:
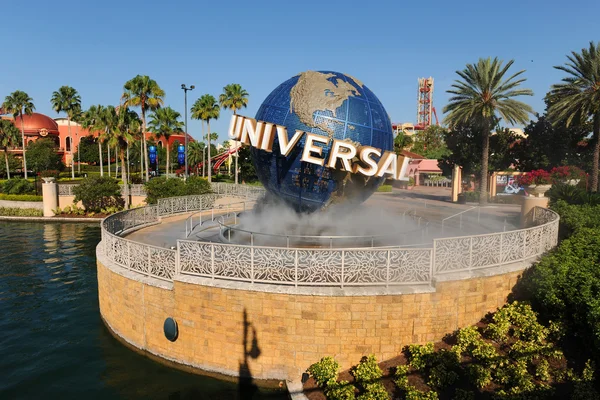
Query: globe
[330,104]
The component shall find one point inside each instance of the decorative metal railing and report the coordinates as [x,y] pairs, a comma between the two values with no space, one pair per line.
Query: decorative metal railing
[337,267]
[134,190]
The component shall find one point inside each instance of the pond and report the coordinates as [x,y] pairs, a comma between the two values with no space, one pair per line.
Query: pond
[53,343]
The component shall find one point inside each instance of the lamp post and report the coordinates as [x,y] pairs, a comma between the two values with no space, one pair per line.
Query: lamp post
[185,90]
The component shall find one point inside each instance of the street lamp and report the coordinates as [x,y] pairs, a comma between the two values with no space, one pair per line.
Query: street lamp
[185,90]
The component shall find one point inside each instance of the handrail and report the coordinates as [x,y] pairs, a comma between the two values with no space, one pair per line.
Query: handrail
[460,214]
[337,267]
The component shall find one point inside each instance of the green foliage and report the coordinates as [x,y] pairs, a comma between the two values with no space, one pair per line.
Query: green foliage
[385,188]
[20,197]
[415,394]
[13,164]
[97,193]
[374,391]
[442,373]
[42,156]
[341,390]
[20,212]
[367,370]
[159,188]
[419,356]
[247,171]
[324,371]
[542,370]
[572,195]
[87,151]
[576,217]
[401,377]
[430,143]
[461,394]
[479,375]
[18,186]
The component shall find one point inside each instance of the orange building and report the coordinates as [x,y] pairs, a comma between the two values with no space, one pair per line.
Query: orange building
[37,126]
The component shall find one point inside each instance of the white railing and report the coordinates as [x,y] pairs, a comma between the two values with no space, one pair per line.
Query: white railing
[445,182]
[336,267]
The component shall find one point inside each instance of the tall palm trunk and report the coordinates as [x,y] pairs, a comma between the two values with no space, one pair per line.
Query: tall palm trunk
[72,144]
[208,152]
[128,164]
[236,154]
[78,154]
[100,154]
[6,159]
[124,176]
[168,159]
[116,163]
[203,155]
[596,159]
[108,147]
[483,193]
[144,139]
[24,145]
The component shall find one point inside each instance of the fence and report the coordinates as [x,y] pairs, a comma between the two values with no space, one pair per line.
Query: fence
[337,267]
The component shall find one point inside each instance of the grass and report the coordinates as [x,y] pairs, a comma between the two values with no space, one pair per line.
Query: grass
[20,197]
[20,212]
[385,188]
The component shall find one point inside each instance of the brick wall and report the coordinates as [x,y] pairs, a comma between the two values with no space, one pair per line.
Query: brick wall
[292,331]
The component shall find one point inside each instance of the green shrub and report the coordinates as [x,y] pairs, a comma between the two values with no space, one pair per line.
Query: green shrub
[565,286]
[324,370]
[341,390]
[461,394]
[367,371]
[401,377]
[196,185]
[574,217]
[374,391]
[384,188]
[18,186]
[97,193]
[419,356]
[20,212]
[20,197]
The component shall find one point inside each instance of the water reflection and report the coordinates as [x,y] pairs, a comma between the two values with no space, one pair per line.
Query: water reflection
[53,343]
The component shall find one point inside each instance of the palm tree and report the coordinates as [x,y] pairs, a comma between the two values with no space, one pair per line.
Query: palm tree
[9,135]
[106,123]
[91,120]
[234,98]
[206,108]
[165,122]
[145,93]
[66,99]
[195,154]
[77,117]
[126,123]
[577,98]
[483,96]
[19,103]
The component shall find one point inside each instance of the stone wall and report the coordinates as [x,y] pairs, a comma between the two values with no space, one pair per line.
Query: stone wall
[292,327]
[38,205]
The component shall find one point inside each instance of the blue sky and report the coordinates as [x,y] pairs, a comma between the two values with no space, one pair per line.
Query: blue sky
[97,46]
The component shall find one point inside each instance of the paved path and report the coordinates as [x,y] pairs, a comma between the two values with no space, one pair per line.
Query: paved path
[431,202]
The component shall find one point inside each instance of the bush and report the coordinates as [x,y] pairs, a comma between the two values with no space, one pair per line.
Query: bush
[20,197]
[324,371]
[367,371]
[341,390]
[576,217]
[565,286]
[159,188]
[20,212]
[572,195]
[97,193]
[18,186]
[385,188]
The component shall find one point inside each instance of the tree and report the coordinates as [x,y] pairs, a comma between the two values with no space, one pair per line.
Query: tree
[9,135]
[126,122]
[430,143]
[577,98]
[91,120]
[19,103]
[43,156]
[547,146]
[165,122]
[482,96]
[67,100]
[234,98]
[196,153]
[247,170]
[402,141]
[145,93]
[465,144]
[206,108]
[87,151]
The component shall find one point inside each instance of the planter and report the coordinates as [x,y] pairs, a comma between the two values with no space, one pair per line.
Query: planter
[537,190]
[49,179]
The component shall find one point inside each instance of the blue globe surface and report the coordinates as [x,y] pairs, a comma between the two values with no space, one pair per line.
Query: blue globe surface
[329,104]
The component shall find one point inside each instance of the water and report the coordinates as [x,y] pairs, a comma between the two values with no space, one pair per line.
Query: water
[53,343]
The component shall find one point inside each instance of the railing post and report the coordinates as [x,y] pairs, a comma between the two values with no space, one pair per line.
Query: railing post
[342,276]
[387,273]
[212,261]
[149,262]
[128,255]
[252,264]
[500,256]
[524,244]
[296,268]
[471,253]
[177,262]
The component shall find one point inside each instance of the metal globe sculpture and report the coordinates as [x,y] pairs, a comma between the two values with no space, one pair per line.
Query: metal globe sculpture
[330,104]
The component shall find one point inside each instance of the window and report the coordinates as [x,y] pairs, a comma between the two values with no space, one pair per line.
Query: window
[68,144]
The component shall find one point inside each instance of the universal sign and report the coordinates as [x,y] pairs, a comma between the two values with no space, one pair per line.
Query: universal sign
[261,135]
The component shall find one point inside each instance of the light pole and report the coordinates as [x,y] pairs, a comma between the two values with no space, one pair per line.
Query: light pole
[185,90]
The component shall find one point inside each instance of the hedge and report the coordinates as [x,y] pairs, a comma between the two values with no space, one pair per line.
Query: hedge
[20,197]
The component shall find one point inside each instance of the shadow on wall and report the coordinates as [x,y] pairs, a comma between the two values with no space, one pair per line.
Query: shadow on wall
[246,386]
